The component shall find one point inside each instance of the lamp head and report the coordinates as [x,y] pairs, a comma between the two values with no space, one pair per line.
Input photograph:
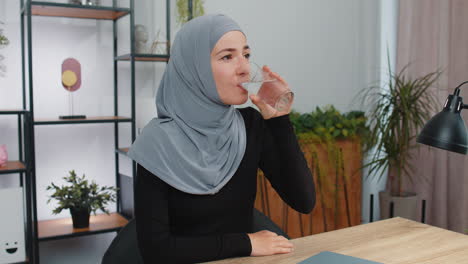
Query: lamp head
[447,130]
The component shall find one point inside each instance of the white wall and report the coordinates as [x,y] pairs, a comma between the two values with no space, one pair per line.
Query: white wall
[387,55]
[326,49]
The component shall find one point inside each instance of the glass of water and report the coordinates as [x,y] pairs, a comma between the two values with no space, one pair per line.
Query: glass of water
[269,89]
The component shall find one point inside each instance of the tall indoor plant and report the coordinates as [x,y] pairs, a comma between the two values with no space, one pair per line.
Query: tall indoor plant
[396,113]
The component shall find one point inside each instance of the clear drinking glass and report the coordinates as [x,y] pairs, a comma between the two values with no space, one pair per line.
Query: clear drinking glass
[269,89]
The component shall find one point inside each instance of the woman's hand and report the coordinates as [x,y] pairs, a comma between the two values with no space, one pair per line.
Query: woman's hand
[265,243]
[267,110]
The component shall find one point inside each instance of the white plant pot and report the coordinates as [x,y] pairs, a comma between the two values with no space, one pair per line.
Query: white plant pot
[403,206]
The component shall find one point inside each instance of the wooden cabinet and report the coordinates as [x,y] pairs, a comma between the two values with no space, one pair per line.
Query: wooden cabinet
[338,191]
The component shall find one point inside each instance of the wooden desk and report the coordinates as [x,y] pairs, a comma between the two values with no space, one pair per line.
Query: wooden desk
[390,241]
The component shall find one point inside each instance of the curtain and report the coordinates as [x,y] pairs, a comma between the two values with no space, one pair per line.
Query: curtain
[433,35]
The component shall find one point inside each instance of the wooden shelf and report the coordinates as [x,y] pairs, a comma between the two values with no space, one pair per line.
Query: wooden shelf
[77,11]
[92,119]
[12,167]
[63,228]
[123,151]
[144,57]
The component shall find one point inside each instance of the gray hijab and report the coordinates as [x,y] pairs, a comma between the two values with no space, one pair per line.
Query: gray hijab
[197,142]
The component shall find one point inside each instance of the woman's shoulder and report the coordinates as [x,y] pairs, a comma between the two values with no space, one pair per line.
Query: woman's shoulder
[253,120]
[250,113]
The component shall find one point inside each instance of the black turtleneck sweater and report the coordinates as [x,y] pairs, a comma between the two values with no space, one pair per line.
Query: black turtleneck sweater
[177,227]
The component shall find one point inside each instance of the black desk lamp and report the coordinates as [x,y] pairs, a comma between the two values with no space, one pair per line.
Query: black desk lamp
[446,130]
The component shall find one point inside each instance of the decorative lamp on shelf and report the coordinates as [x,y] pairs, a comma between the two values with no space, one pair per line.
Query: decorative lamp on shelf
[447,130]
[71,81]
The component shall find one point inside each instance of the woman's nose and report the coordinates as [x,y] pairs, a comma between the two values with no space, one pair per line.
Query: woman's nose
[243,67]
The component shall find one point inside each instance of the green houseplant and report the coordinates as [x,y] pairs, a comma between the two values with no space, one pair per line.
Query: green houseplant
[3,43]
[326,126]
[396,115]
[82,198]
[183,12]
[329,124]
[3,39]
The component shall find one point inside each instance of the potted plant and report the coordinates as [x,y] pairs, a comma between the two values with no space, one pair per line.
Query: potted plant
[332,144]
[3,43]
[396,114]
[188,9]
[81,198]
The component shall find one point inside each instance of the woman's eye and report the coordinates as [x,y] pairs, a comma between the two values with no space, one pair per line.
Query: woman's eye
[247,55]
[227,57]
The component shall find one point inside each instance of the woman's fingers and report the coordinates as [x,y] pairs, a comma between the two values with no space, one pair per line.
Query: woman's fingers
[286,244]
[261,105]
[281,238]
[285,250]
[266,110]
[283,242]
[266,243]
[274,74]
[282,250]
[278,77]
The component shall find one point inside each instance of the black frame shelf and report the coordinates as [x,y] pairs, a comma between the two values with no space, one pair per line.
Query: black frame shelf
[144,57]
[23,167]
[12,111]
[88,120]
[51,9]
[124,203]
[17,166]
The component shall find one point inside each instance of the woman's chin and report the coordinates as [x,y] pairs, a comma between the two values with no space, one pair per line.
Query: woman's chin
[238,100]
[243,100]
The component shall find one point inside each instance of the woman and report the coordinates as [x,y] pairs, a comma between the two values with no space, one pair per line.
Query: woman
[197,162]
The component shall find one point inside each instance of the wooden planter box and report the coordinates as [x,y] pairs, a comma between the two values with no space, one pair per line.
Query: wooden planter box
[338,192]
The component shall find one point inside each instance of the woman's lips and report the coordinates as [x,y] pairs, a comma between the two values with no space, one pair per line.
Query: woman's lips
[242,88]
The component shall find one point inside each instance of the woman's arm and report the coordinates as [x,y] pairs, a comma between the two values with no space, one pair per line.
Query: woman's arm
[158,245]
[283,163]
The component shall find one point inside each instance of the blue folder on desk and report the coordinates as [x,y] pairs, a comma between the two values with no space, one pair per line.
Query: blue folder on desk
[327,257]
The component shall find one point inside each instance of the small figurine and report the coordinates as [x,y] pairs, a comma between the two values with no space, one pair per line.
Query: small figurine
[141,37]
[3,155]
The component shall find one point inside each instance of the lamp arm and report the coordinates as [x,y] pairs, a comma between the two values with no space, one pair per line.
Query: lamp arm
[457,90]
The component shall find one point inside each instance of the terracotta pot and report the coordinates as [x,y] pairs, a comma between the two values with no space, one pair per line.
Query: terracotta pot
[80,217]
[405,206]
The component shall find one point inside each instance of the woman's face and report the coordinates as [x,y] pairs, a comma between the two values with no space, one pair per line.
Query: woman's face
[230,66]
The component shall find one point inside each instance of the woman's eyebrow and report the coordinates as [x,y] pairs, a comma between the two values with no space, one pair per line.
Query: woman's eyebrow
[246,47]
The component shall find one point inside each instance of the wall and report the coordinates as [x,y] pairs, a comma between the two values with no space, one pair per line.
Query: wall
[387,55]
[326,49]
